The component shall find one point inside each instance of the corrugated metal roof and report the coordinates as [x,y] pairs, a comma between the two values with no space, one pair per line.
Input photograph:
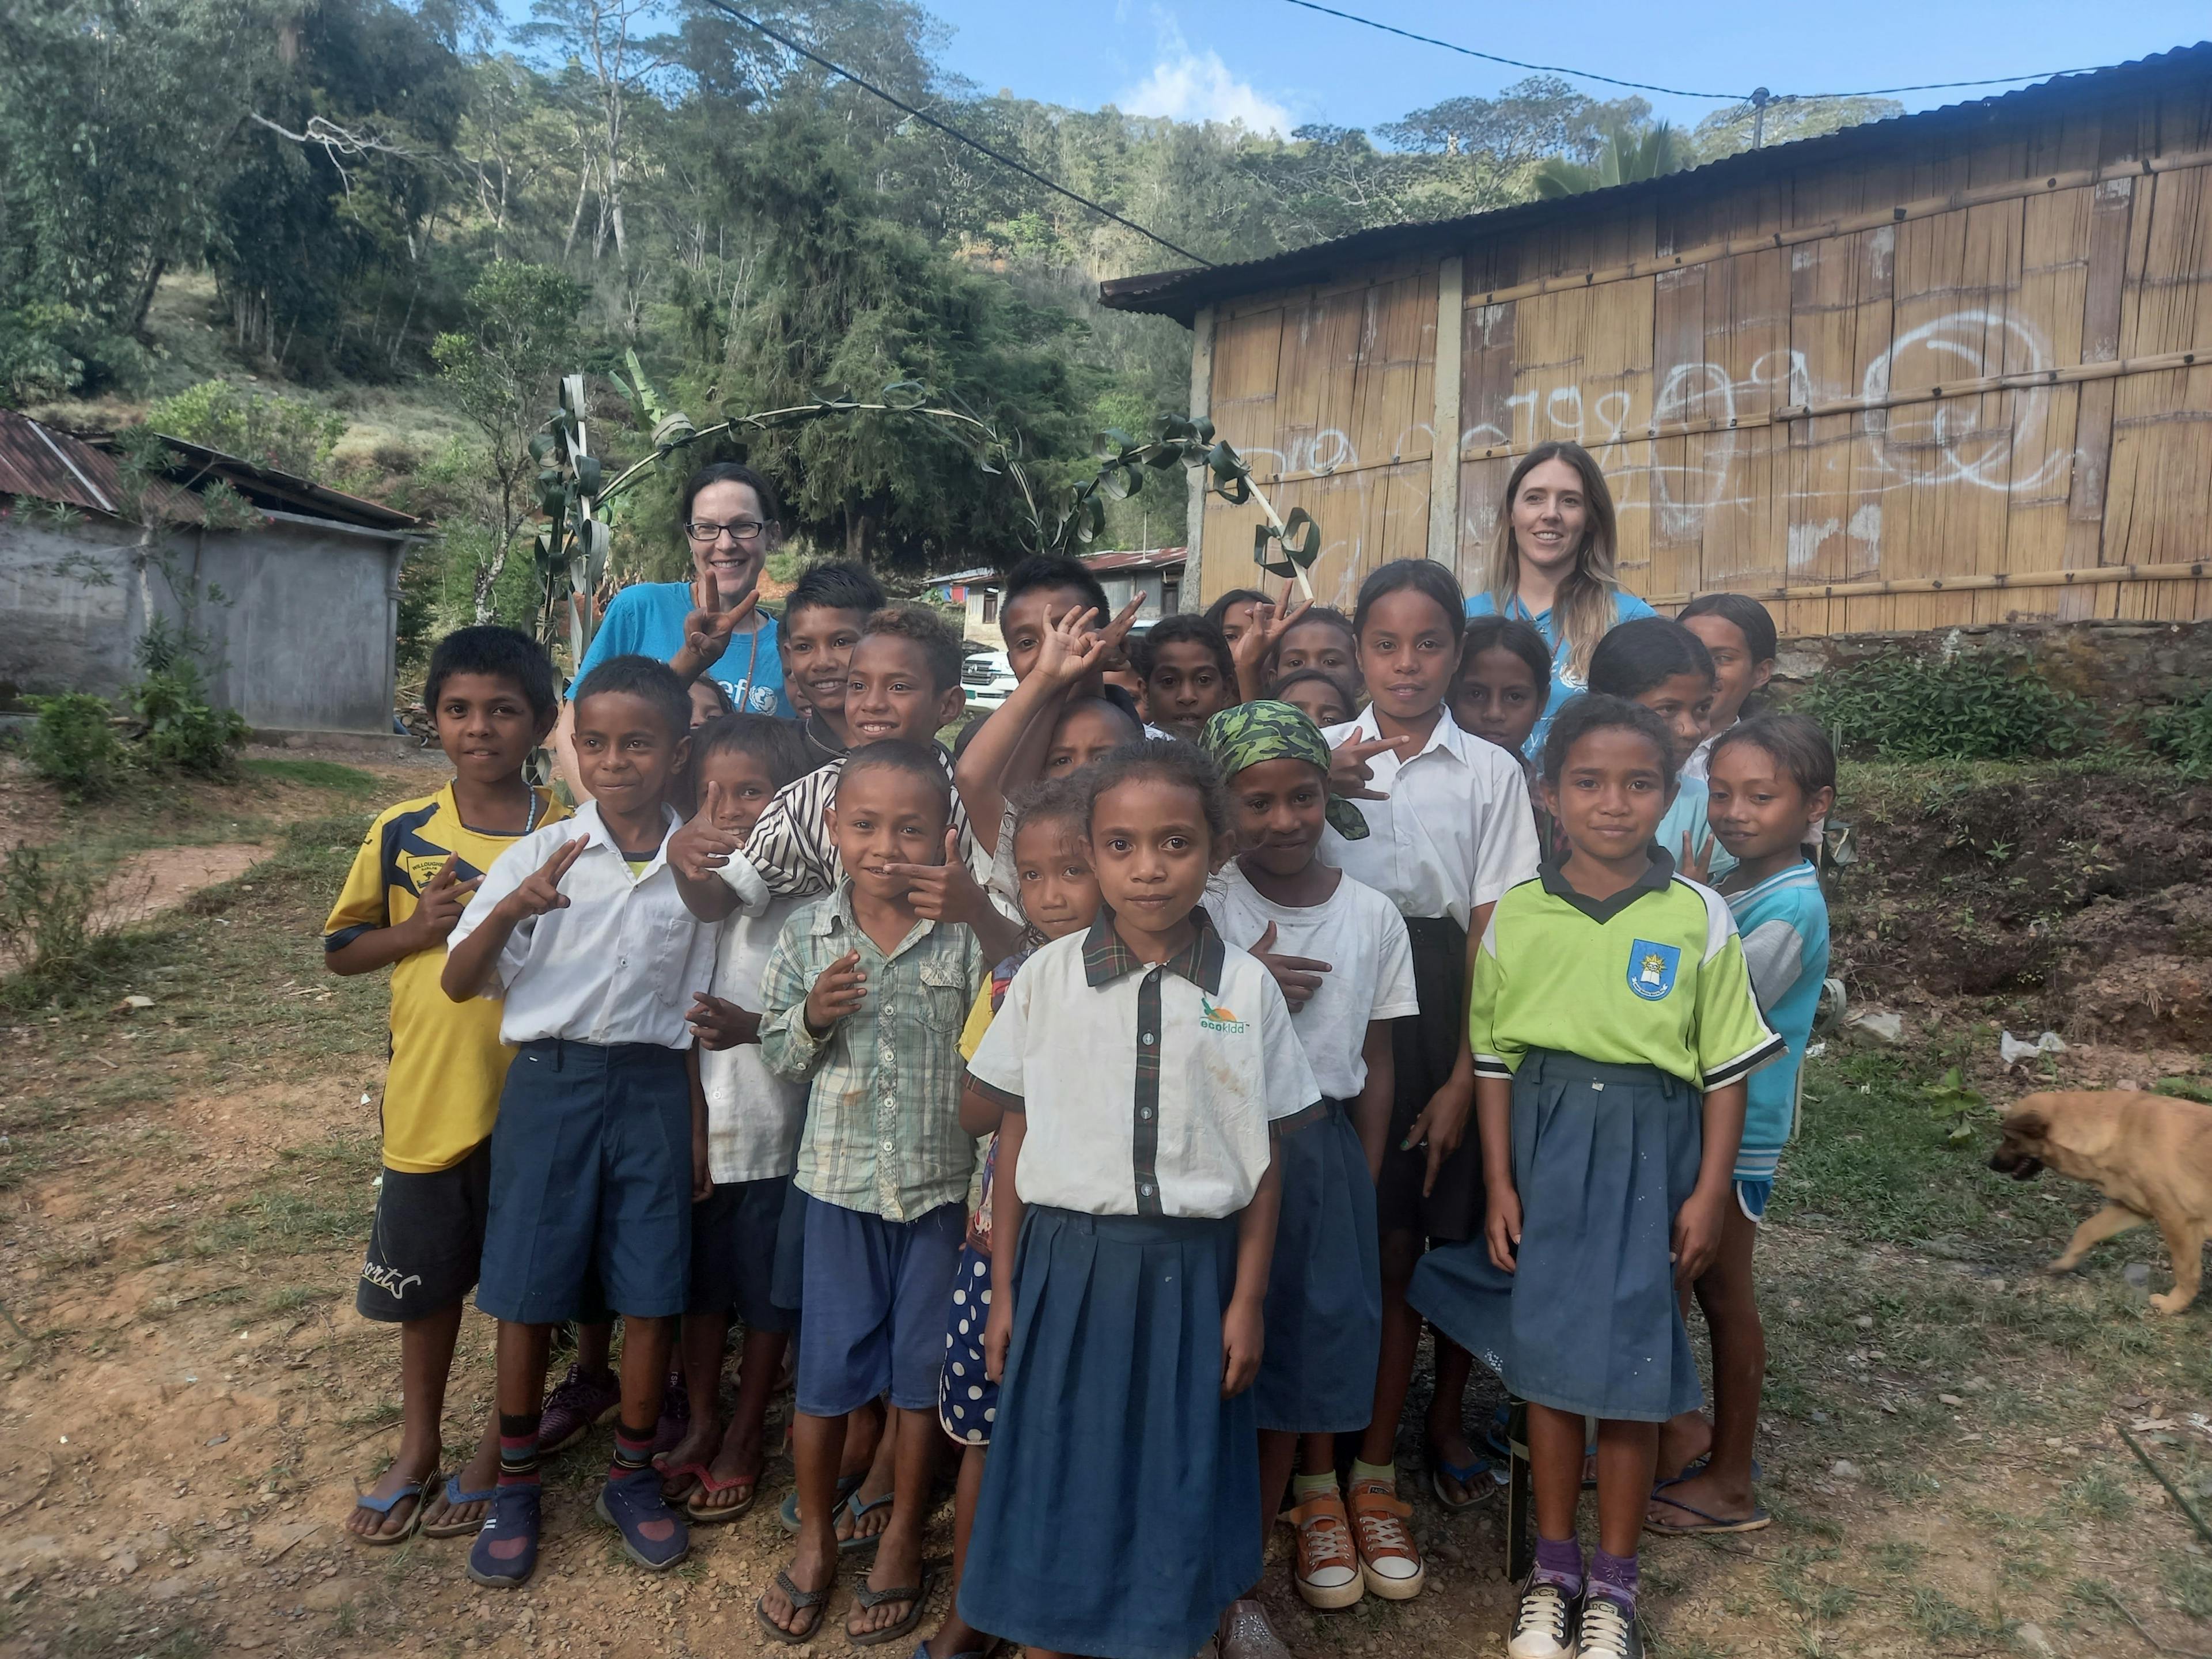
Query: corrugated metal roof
[1179,294]
[1151,558]
[48,465]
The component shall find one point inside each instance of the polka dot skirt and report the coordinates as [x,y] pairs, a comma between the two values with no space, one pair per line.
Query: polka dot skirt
[967,1401]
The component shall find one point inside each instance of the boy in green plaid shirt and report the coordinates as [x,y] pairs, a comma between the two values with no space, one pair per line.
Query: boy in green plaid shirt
[865,997]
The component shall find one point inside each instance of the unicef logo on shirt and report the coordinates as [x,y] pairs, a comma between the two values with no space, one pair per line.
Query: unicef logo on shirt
[762,699]
[1651,968]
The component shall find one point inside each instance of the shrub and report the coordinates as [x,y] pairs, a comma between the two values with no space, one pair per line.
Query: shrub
[49,939]
[2183,734]
[73,745]
[181,728]
[1975,706]
[288,434]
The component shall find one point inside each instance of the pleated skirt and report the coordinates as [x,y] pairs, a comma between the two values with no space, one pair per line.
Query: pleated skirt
[1424,1048]
[1325,1289]
[1588,1321]
[1120,1508]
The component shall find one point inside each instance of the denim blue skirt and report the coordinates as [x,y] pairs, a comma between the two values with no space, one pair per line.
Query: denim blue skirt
[1588,1321]
[1121,1506]
[1325,1290]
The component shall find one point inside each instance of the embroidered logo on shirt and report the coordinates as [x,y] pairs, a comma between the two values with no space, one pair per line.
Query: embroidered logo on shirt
[1651,968]
[1215,1017]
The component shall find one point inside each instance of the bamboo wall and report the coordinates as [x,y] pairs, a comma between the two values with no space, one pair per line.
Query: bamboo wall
[1934,384]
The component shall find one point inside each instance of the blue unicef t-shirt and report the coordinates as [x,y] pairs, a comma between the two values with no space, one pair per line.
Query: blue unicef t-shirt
[646,620]
[1564,681]
[1784,922]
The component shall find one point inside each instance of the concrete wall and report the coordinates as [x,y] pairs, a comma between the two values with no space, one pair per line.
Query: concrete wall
[305,642]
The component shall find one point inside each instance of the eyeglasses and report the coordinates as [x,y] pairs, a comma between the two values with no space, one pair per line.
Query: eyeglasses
[743,530]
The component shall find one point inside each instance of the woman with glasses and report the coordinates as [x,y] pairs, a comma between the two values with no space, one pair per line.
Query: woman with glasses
[709,626]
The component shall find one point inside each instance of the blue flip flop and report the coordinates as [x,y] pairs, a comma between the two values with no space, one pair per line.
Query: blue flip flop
[514,1513]
[382,1540]
[856,1509]
[454,1499]
[1475,1476]
[787,1512]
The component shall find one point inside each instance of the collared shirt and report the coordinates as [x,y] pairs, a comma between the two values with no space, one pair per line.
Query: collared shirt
[883,1124]
[1370,976]
[620,962]
[1564,681]
[1653,975]
[1146,1091]
[442,1092]
[1784,923]
[1455,832]
[753,1115]
[791,848]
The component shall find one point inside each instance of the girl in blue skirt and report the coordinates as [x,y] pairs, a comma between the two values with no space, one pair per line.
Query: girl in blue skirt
[1339,950]
[1613,1024]
[1142,1067]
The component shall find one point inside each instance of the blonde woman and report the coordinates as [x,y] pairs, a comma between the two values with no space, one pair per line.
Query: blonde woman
[1552,566]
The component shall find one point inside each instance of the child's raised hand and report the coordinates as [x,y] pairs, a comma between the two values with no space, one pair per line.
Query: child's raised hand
[943,892]
[1265,631]
[1348,771]
[540,891]
[1698,1226]
[1501,1226]
[697,849]
[715,1024]
[1694,864]
[838,993]
[1243,1336]
[1069,648]
[1298,977]
[1111,638]
[998,1335]
[438,907]
[708,627]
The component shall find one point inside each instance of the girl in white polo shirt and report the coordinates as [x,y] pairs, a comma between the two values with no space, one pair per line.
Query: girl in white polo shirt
[1142,1067]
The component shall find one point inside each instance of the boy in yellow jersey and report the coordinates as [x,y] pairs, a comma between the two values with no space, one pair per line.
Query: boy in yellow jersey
[491,692]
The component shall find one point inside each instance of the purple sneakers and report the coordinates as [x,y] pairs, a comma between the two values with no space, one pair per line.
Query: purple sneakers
[576,1406]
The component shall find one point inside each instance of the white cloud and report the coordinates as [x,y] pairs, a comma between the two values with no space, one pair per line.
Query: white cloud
[1197,85]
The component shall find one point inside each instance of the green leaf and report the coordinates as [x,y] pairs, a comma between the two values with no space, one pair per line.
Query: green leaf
[541,447]
[1301,538]
[591,473]
[674,432]
[906,395]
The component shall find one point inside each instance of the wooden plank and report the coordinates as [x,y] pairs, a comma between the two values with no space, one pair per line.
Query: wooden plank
[1449,385]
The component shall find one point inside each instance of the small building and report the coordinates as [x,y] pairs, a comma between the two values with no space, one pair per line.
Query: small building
[299,609]
[1156,573]
[1946,370]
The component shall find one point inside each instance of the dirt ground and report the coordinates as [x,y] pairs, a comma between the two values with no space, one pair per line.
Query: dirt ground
[188,1402]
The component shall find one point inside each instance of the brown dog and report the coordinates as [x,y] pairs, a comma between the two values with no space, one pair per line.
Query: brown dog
[2150,1154]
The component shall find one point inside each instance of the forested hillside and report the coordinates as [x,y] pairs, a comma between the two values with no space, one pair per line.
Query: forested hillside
[415,219]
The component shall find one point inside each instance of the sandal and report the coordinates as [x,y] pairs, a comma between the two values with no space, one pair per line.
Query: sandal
[709,1486]
[847,1485]
[455,1497]
[1757,1520]
[669,1473]
[872,1599]
[385,1541]
[856,1509]
[1474,1477]
[801,1601]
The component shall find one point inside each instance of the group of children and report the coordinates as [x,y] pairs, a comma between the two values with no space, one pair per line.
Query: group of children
[1112,1097]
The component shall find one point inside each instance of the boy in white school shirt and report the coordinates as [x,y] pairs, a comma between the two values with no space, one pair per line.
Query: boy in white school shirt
[579,928]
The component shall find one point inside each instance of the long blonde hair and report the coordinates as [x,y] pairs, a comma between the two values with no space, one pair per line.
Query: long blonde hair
[1584,606]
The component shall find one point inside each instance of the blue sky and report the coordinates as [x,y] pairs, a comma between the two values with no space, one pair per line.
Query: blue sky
[1272,63]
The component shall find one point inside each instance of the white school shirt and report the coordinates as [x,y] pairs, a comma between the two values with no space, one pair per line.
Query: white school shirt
[1145,1090]
[1361,936]
[621,963]
[753,1115]
[1457,831]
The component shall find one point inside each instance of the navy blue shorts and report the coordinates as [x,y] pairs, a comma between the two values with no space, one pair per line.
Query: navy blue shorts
[733,1237]
[875,1297]
[591,1170]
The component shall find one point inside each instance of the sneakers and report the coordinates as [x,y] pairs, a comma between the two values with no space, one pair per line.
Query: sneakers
[674,1416]
[1608,1629]
[575,1407]
[1389,1563]
[1245,1633]
[1328,1569]
[1544,1627]
[493,1558]
[653,1535]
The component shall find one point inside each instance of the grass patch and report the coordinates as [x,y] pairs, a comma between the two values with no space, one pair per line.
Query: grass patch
[2097,1495]
[1940,1619]
[317,775]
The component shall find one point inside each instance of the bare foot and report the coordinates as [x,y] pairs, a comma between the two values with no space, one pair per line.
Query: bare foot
[809,1572]
[955,1637]
[1689,1501]
[866,1514]
[481,1475]
[698,1445]
[1453,1447]
[1682,1440]
[896,1568]
[367,1522]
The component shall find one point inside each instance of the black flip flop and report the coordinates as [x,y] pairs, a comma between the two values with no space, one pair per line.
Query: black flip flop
[872,1599]
[801,1601]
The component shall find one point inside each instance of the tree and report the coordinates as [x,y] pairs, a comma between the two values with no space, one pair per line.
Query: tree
[1531,120]
[607,43]
[1628,158]
[503,374]
[1726,132]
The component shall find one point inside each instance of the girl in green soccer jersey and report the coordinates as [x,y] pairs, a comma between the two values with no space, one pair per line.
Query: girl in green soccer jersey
[1613,1024]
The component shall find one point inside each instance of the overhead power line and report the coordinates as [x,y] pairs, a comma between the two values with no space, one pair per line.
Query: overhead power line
[1674,92]
[955,134]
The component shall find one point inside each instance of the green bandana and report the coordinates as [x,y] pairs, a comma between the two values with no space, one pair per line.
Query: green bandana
[1252,734]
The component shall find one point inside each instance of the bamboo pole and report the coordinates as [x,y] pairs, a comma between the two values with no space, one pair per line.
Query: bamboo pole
[1872,588]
